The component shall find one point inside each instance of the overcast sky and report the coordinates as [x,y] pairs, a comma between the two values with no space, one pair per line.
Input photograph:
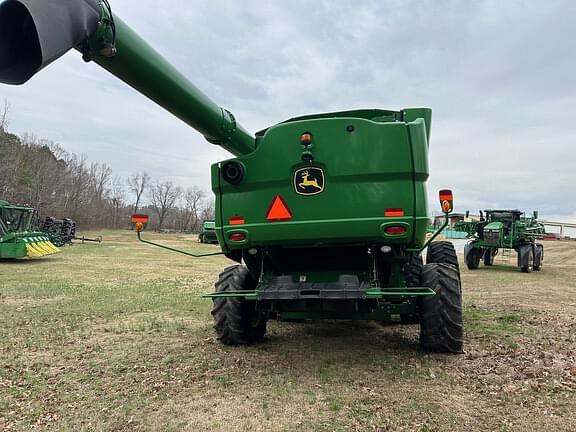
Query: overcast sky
[499,75]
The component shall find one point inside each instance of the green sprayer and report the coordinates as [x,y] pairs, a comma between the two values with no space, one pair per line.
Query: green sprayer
[324,214]
[503,230]
[19,234]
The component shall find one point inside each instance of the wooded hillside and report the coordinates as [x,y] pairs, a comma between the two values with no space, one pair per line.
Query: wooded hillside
[39,173]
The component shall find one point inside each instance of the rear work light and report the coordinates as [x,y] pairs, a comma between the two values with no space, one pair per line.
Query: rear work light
[395,230]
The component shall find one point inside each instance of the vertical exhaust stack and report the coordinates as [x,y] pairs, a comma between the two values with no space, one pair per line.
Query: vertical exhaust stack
[34,33]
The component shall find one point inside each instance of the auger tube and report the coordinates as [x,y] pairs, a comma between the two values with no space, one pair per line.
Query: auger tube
[34,33]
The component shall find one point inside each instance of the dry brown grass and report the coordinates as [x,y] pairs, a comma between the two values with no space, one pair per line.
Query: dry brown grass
[115,337]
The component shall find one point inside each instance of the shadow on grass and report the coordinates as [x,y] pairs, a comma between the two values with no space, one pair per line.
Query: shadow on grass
[30,261]
[497,267]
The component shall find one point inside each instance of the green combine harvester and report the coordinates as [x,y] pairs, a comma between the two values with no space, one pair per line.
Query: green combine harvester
[324,214]
[19,235]
[503,230]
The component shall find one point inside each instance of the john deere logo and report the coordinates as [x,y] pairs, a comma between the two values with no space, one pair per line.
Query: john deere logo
[309,181]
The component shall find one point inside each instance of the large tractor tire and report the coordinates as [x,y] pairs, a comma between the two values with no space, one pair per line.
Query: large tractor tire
[413,270]
[441,327]
[412,276]
[237,321]
[442,252]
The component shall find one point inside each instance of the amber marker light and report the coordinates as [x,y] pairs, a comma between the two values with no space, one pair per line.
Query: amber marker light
[446,200]
[394,212]
[236,220]
[139,221]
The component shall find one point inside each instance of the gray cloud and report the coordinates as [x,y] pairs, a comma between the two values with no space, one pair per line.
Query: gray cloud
[498,75]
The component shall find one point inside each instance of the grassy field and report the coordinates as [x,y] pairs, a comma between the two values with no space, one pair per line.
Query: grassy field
[115,337]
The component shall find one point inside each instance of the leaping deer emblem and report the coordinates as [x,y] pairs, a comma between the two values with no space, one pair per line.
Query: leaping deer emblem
[306,182]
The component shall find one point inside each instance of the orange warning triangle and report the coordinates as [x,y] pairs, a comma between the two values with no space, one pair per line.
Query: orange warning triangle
[278,210]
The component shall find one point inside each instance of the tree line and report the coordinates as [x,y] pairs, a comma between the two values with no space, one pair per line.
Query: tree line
[39,173]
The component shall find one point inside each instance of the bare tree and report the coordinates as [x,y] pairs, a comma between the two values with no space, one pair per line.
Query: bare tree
[4,116]
[208,210]
[163,197]
[191,211]
[117,199]
[137,184]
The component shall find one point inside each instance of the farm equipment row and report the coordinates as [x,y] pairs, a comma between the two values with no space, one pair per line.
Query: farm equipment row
[324,214]
[19,235]
[504,230]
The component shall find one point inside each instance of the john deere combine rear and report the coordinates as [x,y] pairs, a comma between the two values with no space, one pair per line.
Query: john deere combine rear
[504,230]
[325,214]
[19,237]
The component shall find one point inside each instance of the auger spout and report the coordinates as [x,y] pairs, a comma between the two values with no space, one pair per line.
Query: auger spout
[34,33]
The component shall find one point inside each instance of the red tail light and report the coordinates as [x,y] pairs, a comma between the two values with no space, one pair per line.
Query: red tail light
[395,230]
[237,237]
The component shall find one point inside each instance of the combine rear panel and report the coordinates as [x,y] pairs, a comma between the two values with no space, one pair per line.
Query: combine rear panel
[363,176]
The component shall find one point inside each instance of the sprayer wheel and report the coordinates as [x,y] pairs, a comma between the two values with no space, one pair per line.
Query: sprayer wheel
[442,252]
[237,321]
[441,327]
[529,263]
[488,257]
[473,259]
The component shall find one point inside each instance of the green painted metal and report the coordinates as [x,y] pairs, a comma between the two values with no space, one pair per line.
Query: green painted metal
[378,165]
[245,294]
[372,293]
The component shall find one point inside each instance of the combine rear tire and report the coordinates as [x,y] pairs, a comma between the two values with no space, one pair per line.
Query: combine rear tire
[413,270]
[237,321]
[442,252]
[412,274]
[441,328]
